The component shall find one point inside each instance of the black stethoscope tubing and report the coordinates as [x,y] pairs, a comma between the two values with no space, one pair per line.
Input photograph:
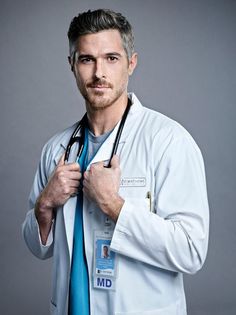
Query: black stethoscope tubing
[81,127]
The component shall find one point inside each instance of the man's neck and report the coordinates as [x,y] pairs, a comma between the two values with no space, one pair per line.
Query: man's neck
[104,120]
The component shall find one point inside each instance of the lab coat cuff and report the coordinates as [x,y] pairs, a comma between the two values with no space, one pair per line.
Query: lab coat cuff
[121,231]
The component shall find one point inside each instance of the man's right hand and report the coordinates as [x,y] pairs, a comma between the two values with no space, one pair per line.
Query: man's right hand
[63,184]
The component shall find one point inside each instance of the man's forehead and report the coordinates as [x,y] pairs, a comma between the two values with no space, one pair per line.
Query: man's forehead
[104,41]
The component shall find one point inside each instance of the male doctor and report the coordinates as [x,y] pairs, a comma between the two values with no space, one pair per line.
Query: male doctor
[149,207]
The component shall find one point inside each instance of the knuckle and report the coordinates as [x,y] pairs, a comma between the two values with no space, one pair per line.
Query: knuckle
[63,181]
[67,190]
[75,166]
[60,174]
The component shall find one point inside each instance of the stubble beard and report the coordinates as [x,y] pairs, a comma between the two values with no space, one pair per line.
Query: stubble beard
[98,101]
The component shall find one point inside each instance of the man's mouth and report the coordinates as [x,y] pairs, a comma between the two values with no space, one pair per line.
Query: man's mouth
[99,86]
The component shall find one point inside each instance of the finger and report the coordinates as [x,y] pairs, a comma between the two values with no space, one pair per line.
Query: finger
[86,175]
[73,184]
[96,165]
[75,175]
[72,167]
[74,192]
[85,183]
[115,162]
[62,160]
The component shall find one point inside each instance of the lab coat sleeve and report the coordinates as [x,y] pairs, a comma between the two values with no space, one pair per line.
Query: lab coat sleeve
[175,237]
[30,227]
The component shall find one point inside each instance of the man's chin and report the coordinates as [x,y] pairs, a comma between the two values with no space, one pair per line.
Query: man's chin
[99,106]
[98,102]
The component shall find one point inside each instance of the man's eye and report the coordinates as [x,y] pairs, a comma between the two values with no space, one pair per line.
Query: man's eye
[86,60]
[112,59]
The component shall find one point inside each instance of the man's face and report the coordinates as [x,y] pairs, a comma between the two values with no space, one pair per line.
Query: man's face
[102,69]
[105,251]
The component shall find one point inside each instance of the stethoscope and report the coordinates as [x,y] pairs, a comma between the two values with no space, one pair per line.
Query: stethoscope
[82,124]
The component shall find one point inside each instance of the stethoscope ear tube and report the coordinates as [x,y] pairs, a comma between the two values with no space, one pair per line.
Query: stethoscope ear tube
[80,126]
[119,132]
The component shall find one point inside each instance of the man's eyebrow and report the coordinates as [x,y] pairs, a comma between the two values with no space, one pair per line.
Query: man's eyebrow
[85,56]
[113,54]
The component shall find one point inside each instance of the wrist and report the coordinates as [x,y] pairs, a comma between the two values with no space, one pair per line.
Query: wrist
[44,210]
[113,207]
[44,203]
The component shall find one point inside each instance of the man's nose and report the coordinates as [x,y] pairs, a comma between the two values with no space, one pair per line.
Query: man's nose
[99,69]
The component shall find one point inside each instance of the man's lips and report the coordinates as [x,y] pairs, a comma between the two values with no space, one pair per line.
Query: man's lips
[98,86]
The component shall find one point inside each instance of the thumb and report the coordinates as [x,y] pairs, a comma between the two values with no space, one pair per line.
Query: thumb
[115,162]
[62,160]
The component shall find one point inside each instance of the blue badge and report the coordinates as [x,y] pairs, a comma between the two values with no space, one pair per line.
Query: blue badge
[104,261]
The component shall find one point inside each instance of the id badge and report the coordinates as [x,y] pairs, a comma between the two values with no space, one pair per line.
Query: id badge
[104,272]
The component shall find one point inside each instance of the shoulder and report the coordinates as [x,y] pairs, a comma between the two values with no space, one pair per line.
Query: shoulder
[163,132]
[61,138]
[171,146]
[158,124]
[161,125]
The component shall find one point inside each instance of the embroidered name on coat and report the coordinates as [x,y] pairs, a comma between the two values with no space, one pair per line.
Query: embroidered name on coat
[133,182]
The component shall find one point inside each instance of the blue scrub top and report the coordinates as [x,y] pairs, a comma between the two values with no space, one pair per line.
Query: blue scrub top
[79,280]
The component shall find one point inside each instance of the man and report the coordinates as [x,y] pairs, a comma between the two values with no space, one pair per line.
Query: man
[105,252]
[150,206]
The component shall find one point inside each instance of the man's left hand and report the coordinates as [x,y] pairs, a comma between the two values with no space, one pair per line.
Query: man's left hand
[102,184]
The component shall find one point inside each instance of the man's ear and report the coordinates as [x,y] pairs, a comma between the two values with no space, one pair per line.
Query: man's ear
[133,63]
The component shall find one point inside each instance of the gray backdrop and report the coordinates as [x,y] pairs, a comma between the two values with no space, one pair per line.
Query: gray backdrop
[186,70]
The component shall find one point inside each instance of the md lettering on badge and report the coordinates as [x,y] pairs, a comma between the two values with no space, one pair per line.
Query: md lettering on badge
[103,283]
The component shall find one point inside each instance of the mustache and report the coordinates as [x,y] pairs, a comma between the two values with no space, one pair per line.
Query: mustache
[100,82]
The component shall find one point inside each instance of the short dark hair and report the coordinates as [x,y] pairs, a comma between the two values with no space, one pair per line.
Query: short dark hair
[99,20]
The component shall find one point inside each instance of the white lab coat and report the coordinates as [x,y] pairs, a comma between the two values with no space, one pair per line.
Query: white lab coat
[154,247]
